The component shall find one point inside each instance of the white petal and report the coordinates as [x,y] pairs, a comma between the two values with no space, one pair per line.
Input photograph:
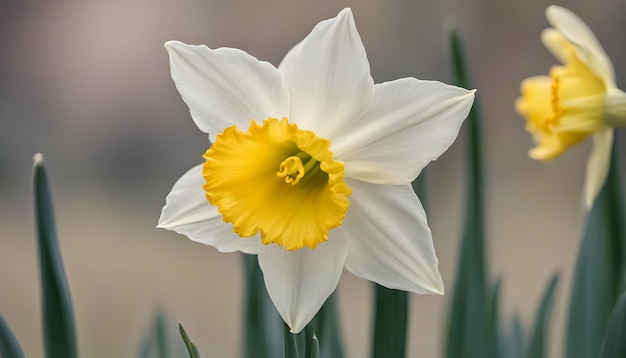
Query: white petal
[328,77]
[300,281]
[410,123]
[389,240]
[582,38]
[598,165]
[226,87]
[188,212]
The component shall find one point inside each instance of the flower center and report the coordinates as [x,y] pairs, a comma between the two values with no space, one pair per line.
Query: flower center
[247,174]
[293,170]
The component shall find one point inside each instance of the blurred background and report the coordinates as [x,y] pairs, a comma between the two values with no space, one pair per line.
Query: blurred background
[87,84]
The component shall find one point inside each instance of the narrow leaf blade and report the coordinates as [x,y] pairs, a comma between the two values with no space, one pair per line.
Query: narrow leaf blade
[390,323]
[58,318]
[262,323]
[471,327]
[9,347]
[191,347]
[327,328]
[598,274]
[290,346]
[538,345]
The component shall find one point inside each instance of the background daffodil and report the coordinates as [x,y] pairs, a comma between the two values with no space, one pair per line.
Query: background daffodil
[311,165]
[578,99]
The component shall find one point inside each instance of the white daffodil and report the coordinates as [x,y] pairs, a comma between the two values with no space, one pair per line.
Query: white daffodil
[577,99]
[311,165]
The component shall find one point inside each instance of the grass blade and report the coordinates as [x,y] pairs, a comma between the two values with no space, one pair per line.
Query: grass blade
[160,332]
[9,347]
[191,348]
[58,319]
[473,314]
[514,345]
[537,345]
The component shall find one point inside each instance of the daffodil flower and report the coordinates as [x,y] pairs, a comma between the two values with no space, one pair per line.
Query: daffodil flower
[577,100]
[310,165]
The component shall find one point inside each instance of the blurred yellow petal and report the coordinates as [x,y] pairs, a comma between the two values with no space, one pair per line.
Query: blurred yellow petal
[577,100]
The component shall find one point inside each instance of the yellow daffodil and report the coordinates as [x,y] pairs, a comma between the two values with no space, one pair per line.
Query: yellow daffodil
[578,99]
[310,165]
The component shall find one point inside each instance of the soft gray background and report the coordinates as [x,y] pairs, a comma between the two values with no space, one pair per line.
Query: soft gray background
[87,83]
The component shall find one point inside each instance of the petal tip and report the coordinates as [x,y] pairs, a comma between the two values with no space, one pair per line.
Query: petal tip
[555,14]
[170,45]
[162,224]
[439,289]
[345,11]
[345,14]
[552,9]
[293,329]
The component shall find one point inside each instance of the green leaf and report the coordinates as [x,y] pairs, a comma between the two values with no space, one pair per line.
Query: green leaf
[538,345]
[390,323]
[160,331]
[9,347]
[515,343]
[492,318]
[155,342]
[58,319]
[262,323]
[191,348]
[326,324]
[599,268]
[615,337]
[473,314]
[307,338]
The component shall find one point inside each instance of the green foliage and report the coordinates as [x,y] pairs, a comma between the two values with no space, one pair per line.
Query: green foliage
[390,323]
[327,329]
[598,276]
[262,323]
[156,344]
[58,319]
[191,348]
[537,345]
[472,326]
[9,347]
[615,338]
